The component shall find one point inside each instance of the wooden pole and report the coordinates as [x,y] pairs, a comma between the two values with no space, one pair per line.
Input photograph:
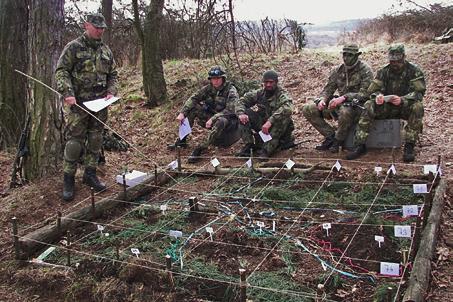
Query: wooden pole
[15,238]
[68,251]
[59,221]
[93,206]
[169,272]
[124,187]
[179,158]
[243,285]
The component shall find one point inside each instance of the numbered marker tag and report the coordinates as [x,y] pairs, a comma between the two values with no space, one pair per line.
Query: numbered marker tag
[429,168]
[289,164]
[273,225]
[337,166]
[249,163]
[392,170]
[403,231]
[135,251]
[390,269]
[215,163]
[100,228]
[378,170]
[210,230]
[173,165]
[379,239]
[176,234]
[327,226]
[163,208]
[261,225]
[420,188]
[411,210]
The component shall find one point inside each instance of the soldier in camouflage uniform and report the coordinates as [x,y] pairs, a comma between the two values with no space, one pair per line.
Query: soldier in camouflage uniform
[85,71]
[213,105]
[396,92]
[351,79]
[268,110]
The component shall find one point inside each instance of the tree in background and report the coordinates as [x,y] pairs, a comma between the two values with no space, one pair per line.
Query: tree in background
[107,6]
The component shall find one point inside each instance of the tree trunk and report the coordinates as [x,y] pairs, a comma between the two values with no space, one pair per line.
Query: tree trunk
[13,55]
[153,71]
[107,12]
[45,142]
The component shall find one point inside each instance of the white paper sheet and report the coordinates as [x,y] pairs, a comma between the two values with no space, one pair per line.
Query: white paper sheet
[184,128]
[265,137]
[99,104]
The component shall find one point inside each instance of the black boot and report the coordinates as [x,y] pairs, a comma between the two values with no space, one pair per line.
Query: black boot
[178,143]
[91,180]
[68,187]
[245,151]
[409,154]
[335,147]
[325,145]
[358,151]
[195,156]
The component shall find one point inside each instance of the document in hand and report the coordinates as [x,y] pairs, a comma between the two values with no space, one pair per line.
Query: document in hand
[265,137]
[184,128]
[99,104]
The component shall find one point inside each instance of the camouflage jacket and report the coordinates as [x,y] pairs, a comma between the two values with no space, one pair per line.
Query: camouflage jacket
[409,84]
[352,83]
[274,108]
[86,70]
[216,102]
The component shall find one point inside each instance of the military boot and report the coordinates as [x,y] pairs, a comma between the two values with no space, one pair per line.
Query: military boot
[357,152]
[325,145]
[335,147]
[409,154]
[262,155]
[91,180]
[68,187]
[245,151]
[195,156]
[178,143]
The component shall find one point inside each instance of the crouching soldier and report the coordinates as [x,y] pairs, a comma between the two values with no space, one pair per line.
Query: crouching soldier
[351,79]
[213,106]
[268,110]
[396,92]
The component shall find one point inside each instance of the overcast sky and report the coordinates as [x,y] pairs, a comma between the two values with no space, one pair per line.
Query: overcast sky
[317,11]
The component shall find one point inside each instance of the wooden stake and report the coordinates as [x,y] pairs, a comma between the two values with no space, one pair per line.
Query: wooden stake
[59,221]
[169,272]
[93,206]
[179,158]
[15,238]
[155,175]
[124,187]
[243,285]
[68,242]
[193,204]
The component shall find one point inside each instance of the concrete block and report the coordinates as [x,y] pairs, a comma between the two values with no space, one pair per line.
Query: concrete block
[383,134]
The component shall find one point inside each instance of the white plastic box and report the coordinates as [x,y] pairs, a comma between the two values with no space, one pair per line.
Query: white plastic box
[132,178]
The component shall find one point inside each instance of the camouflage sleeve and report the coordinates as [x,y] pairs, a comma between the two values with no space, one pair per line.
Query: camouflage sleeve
[194,100]
[112,77]
[231,101]
[63,71]
[366,76]
[285,109]
[377,85]
[330,87]
[417,88]
[248,100]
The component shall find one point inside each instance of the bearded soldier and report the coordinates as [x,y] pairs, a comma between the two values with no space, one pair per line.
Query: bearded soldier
[396,92]
[85,71]
[351,79]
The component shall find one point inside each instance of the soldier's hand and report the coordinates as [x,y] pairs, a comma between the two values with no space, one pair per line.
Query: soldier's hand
[321,105]
[70,100]
[209,124]
[395,100]
[336,102]
[180,117]
[265,128]
[380,99]
[243,118]
[109,96]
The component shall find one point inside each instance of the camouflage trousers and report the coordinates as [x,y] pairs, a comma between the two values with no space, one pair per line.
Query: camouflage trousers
[281,132]
[83,137]
[413,113]
[220,128]
[346,115]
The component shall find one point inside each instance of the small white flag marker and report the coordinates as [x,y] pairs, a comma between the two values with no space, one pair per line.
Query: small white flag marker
[249,163]
[215,163]
[289,163]
[378,170]
[392,170]
[210,230]
[163,208]
[135,251]
[326,226]
[173,165]
[337,165]
[261,225]
[379,239]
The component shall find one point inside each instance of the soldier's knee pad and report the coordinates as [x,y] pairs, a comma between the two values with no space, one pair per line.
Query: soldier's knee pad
[73,150]
[94,142]
[221,123]
[308,110]
[417,109]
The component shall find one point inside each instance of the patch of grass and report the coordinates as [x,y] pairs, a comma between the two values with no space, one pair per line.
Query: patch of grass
[134,98]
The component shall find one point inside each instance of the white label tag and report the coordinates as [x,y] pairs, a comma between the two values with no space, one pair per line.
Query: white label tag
[289,164]
[184,128]
[429,168]
[215,162]
[403,231]
[378,170]
[420,188]
[326,226]
[173,165]
[209,230]
[410,210]
[379,239]
[249,163]
[260,224]
[175,234]
[135,251]
[390,269]
[337,166]
[163,208]
[392,170]
[100,228]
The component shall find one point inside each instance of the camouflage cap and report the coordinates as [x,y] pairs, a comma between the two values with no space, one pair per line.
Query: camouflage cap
[351,48]
[396,52]
[270,75]
[216,72]
[97,20]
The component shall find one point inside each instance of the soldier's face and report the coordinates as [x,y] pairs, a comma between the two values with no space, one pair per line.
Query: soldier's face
[396,65]
[94,32]
[270,85]
[349,59]
[216,82]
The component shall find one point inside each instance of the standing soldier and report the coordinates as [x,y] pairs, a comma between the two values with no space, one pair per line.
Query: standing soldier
[396,92]
[213,105]
[351,79]
[85,71]
[272,116]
